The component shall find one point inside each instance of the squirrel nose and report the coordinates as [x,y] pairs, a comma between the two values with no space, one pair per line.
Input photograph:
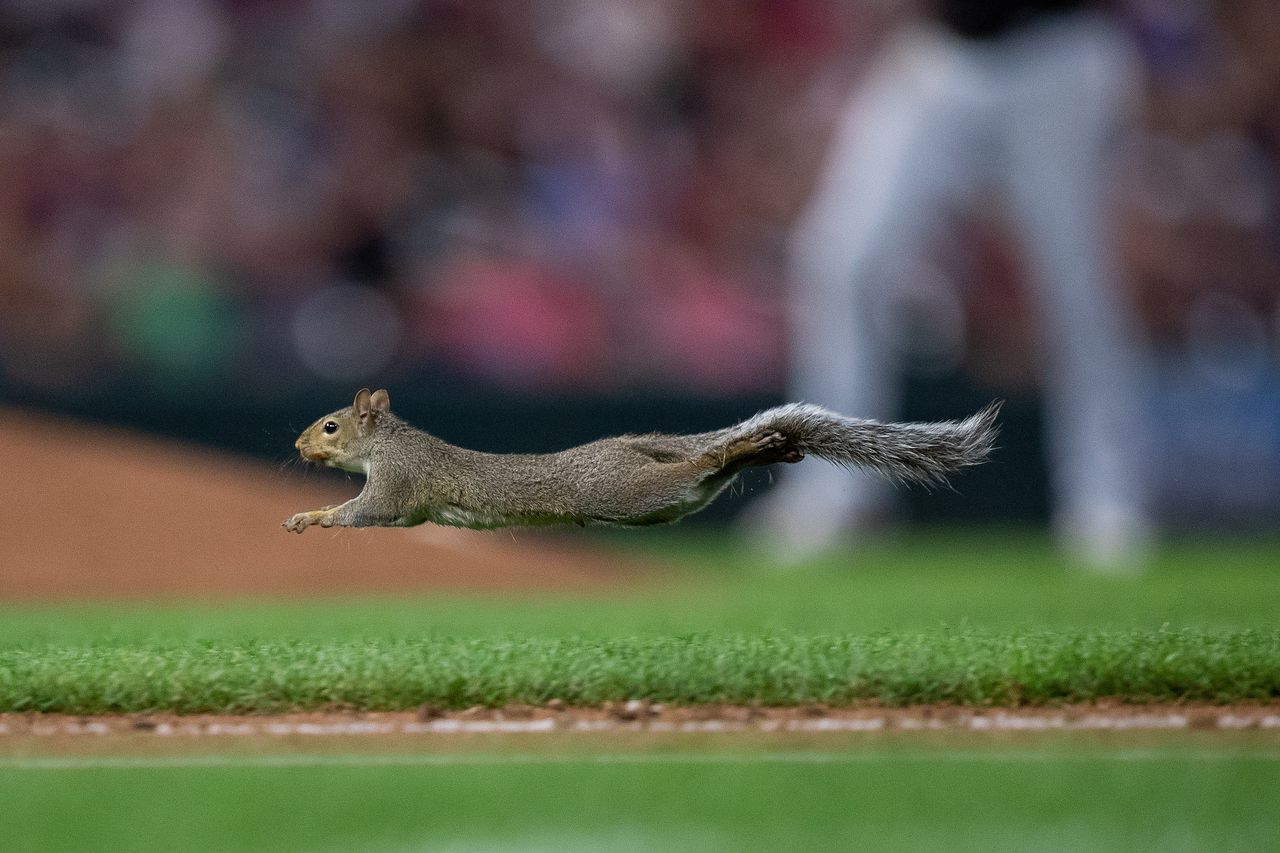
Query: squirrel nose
[298,443]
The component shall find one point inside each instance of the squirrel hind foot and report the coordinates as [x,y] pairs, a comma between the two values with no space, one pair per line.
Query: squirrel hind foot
[770,446]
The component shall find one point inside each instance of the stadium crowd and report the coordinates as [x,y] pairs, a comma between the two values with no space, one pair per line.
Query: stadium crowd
[562,195]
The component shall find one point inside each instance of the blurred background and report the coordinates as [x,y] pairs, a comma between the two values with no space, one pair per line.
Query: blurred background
[541,222]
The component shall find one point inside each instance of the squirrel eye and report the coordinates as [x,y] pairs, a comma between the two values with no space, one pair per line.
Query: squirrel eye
[330,427]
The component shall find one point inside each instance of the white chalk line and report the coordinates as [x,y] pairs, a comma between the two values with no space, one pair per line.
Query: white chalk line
[181,762]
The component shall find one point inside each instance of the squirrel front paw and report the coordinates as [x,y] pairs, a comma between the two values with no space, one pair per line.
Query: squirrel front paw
[301,521]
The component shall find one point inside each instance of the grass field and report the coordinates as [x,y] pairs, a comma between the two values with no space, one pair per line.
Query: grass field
[1024,796]
[955,666]
[943,619]
[965,617]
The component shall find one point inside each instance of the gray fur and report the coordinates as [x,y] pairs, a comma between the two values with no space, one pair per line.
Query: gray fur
[630,480]
[904,452]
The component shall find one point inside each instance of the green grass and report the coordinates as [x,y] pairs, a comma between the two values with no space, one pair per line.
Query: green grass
[992,580]
[1036,795]
[983,618]
[773,669]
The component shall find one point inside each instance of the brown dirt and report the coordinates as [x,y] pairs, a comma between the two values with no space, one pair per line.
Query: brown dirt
[96,512]
[536,728]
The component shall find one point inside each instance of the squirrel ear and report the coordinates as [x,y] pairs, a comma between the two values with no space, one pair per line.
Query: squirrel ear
[381,401]
[361,404]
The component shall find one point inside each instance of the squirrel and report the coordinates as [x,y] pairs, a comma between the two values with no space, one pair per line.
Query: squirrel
[629,480]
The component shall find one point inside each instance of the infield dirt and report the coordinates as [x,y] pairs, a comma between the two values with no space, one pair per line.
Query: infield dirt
[104,513]
[571,730]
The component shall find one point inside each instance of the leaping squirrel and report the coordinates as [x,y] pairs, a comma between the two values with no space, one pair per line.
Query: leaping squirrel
[630,480]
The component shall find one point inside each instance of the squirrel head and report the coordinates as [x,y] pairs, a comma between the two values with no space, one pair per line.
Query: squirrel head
[339,438]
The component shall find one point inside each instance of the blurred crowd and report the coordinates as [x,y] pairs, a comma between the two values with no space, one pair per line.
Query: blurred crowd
[552,195]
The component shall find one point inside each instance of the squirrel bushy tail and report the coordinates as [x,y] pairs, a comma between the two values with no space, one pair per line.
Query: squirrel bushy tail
[904,452]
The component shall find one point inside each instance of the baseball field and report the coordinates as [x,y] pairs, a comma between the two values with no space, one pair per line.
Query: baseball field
[177,673]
